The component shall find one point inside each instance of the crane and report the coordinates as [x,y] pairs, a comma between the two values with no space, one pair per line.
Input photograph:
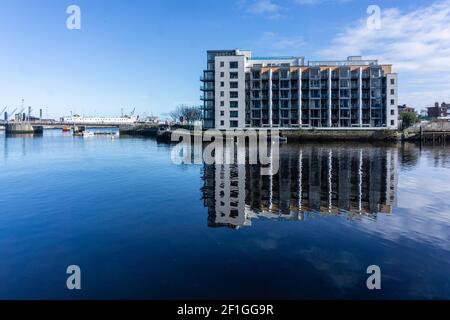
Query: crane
[132,112]
[12,113]
[4,109]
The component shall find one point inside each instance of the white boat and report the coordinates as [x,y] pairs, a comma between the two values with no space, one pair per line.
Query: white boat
[88,134]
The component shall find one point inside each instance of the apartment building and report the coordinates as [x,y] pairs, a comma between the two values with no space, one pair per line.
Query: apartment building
[438,111]
[242,91]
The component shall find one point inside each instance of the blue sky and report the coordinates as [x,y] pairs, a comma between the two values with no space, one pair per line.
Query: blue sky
[150,54]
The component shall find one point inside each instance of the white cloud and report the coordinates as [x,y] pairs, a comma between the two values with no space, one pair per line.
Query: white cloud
[417,43]
[315,2]
[275,42]
[265,8]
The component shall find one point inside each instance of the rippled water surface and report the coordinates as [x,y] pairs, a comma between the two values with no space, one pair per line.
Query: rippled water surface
[140,226]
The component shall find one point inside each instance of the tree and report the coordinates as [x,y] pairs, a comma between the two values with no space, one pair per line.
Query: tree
[185,113]
[408,119]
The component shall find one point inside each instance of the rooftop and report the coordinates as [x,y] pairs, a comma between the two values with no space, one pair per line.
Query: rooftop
[275,58]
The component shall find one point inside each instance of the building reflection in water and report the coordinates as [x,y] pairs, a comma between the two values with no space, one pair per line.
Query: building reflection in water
[354,181]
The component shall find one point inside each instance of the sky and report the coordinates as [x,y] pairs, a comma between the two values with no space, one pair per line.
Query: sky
[149,54]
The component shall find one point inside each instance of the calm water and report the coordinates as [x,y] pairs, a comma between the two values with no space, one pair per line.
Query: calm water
[142,227]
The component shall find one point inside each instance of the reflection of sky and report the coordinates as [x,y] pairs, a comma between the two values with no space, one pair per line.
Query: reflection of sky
[423,206]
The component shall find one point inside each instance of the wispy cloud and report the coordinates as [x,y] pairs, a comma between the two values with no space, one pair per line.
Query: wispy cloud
[316,2]
[417,43]
[275,42]
[266,8]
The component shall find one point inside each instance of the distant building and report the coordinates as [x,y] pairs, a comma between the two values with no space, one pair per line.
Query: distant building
[242,91]
[437,111]
[405,108]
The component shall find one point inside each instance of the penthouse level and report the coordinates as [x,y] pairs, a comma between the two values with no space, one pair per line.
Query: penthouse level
[241,91]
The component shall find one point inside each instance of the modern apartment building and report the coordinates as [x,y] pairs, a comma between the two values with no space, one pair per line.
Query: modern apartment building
[241,91]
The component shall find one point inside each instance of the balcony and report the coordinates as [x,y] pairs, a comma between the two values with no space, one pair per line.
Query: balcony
[206,98]
[206,88]
[206,78]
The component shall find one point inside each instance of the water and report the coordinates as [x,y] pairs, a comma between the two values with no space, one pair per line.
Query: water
[142,227]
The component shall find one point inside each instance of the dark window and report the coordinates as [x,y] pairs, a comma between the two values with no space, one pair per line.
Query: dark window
[234,94]
[392,122]
[222,103]
[392,102]
[234,65]
[222,122]
[222,64]
[233,85]
[222,74]
[233,104]
[222,113]
[392,112]
[233,114]
[233,75]
[222,84]
[222,94]
[392,91]
[392,81]
[233,124]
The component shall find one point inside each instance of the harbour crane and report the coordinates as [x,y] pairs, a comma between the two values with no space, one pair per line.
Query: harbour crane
[132,112]
[12,113]
[1,115]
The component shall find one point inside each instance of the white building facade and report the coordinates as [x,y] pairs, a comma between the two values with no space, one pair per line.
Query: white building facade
[241,91]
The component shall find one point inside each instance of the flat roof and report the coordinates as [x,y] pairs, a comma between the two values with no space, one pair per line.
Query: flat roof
[276,58]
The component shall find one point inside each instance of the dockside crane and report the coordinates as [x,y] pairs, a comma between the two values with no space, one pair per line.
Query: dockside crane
[4,109]
[12,113]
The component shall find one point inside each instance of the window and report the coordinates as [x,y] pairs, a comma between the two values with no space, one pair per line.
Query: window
[233,124]
[222,122]
[392,81]
[233,85]
[392,102]
[222,84]
[233,114]
[222,103]
[222,93]
[233,104]
[222,64]
[392,112]
[392,91]
[222,113]
[392,123]
[234,94]
[234,65]
[234,75]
